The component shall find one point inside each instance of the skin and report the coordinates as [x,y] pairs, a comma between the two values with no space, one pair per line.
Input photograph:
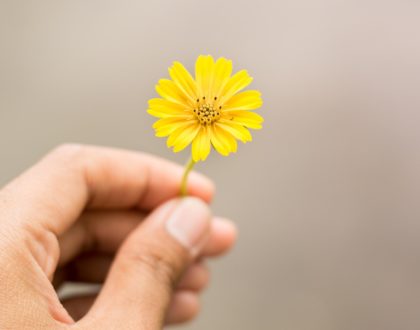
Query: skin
[97,215]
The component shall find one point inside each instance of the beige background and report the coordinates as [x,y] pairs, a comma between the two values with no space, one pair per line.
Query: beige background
[327,195]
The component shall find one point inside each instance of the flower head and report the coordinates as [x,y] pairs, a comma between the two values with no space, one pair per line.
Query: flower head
[210,110]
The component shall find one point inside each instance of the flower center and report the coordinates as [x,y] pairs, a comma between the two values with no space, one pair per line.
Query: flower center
[206,113]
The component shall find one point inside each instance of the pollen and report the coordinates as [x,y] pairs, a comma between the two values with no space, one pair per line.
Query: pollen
[206,113]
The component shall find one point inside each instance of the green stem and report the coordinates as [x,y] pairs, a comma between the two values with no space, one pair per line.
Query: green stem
[188,168]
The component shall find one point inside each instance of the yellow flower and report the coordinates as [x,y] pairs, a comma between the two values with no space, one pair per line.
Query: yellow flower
[209,110]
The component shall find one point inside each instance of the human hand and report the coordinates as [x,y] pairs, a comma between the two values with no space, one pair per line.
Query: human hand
[98,215]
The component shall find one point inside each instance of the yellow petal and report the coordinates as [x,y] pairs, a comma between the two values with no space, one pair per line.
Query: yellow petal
[222,72]
[229,139]
[171,92]
[237,130]
[204,71]
[184,81]
[201,145]
[158,114]
[162,108]
[220,144]
[248,100]
[166,126]
[165,131]
[235,84]
[247,118]
[183,136]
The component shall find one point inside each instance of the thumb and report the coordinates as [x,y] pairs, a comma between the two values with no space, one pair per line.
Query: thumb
[139,286]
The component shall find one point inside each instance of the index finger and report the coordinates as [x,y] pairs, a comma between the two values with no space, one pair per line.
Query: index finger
[74,177]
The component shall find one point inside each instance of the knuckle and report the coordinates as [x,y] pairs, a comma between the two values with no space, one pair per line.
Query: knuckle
[43,245]
[68,152]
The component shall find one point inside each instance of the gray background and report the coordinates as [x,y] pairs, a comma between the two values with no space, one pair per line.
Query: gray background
[326,196]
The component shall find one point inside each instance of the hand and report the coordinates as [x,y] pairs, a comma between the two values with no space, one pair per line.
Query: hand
[92,214]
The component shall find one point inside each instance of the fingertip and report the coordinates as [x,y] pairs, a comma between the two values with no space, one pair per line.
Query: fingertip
[201,186]
[222,237]
[184,307]
[225,225]
[196,278]
[226,230]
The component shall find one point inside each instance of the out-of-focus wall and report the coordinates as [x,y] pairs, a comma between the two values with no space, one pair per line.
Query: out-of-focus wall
[326,196]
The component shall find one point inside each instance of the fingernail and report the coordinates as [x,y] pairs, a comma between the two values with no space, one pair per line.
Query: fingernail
[189,223]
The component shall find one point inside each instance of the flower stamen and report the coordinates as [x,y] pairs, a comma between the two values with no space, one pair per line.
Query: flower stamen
[206,113]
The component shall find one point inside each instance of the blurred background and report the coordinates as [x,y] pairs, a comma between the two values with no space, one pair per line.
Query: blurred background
[326,197]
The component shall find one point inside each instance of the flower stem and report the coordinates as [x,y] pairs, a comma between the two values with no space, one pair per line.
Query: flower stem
[188,168]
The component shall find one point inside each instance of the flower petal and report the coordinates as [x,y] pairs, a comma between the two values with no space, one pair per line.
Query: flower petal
[248,100]
[220,144]
[222,72]
[238,131]
[166,126]
[247,118]
[171,92]
[162,108]
[229,140]
[235,84]
[185,82]
[204,71]
[201,145]
[183,136]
